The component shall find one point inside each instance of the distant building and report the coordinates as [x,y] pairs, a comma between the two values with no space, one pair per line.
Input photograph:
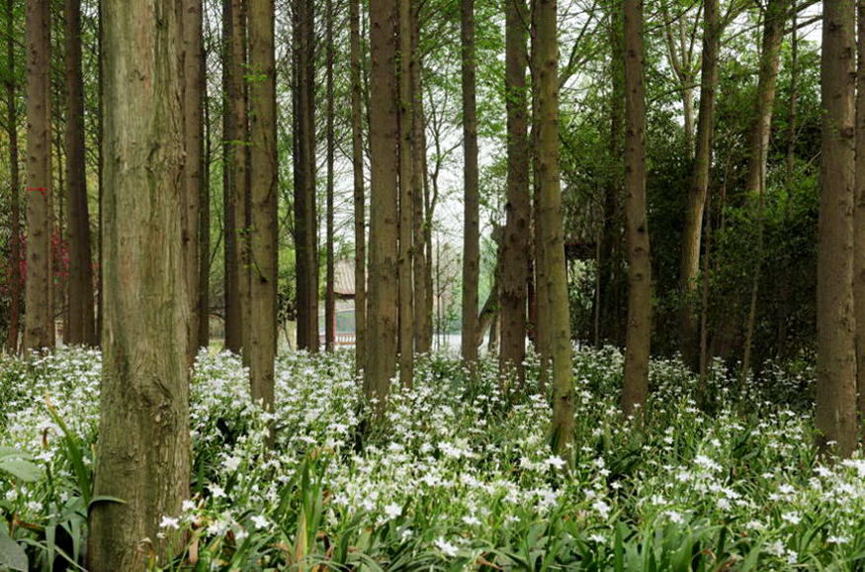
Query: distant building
[344,290]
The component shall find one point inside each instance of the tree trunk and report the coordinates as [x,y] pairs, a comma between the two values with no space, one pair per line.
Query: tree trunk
[81,325]
[15,183]
[859,212]
[406,200]
[330,295]
[693,232]
[555,287]
[235,172]
[515,244]
[773,33]
[264,255]
[836,358]
[39,316]
[305,221]
[638,336]
[203,337]
[422,306]
[193,174]
[471,213]
[143,452]
[357,172]
[384,138]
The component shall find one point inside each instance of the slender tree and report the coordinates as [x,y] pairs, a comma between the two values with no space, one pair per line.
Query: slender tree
[305,217]
[143,451]
[406,202]
[39,317]
[263,267]
[697,195]
[471,214]
[638,335]
[14,184]
[81,324]
[836,358]
[357,173]
[555,287]
[422,290]
[235,171]
[755,184]
[204,220]
[330,294]
[859,212]
[193,173]
[515,244]
[384,137]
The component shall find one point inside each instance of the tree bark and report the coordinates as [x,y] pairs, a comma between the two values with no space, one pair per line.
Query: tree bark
[193,174]
[773,33]
[515,245]
[406,201]
[305,217]
[422,291]
[330,295]
[39,316]
[384,138]
[143,452]
[264,262]
[471,213]
[835,416]
[15,183]
[693,231]
[555,286]
[638,336]
[81,327]
[357,172]
[235,172]
[859,212]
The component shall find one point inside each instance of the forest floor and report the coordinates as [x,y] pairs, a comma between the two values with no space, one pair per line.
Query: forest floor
[459,476]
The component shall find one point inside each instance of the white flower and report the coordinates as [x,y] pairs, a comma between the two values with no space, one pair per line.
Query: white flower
[601,508]
[188,505]
[231,463]
[597,538]
[168,522]
[259,522]
[393,510]
[556,462]
[674,516]
[446,547]
[216,491]
[838,540]
[471,520]
[791,517]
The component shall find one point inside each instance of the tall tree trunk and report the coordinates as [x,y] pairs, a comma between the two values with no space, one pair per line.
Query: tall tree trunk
[384,137]
[82,325]
[235,172]
[755,184]
[406,201]
[693,232]
[204,222]
[330,295]
[515,244]
[638,336]
[39,316]
[143,452]
[14,182]
[836,357]
[471,213]
[422,306]
[357,172]
[859,212]
[100,160]
[305,221]
[264,263]
[193,173]
[555,287]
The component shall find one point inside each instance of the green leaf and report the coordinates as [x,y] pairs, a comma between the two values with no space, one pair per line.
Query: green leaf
[19,468]
[12,556]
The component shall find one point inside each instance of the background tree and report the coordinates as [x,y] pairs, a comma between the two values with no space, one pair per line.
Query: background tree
[39,316]
[15,277]
[358,179]
[639,332]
